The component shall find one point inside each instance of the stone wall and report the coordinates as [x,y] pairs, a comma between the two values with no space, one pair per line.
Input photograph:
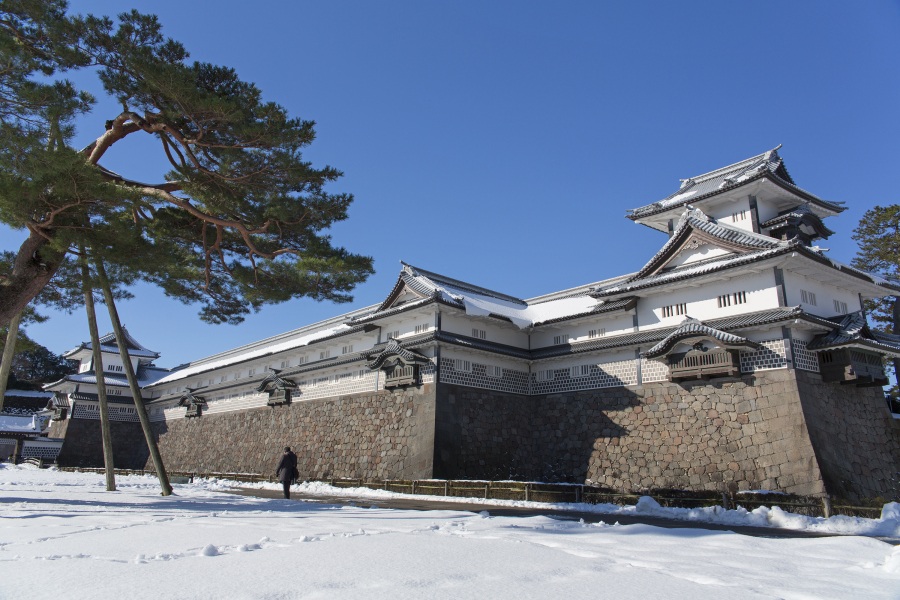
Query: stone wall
[857,441]
[83,446]
[750,433]
[370,435]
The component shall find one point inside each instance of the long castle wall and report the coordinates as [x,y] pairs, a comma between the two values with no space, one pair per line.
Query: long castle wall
[370,435]
[779,430]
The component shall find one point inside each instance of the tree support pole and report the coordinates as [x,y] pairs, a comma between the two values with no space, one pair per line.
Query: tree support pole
[9,351]
[106,433]
[132,380]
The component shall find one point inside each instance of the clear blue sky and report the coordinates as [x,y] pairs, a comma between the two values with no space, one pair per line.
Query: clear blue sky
[502,142]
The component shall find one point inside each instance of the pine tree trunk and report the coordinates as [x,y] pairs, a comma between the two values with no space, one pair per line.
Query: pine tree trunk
[132,381]
[9,351]
[33,269]
[105,431]
[896,331]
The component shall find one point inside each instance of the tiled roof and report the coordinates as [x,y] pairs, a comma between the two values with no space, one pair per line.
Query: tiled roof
[85,396]
[692,328]
[394,348]
[768,164]
[108,343]
[798,215]
[853,330]
[274,378]
[695,270]
[694,220]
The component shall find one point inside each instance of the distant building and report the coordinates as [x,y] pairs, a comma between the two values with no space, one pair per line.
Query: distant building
[76,409]
[738,356]
[23,426]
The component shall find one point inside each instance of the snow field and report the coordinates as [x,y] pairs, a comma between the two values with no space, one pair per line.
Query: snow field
[63,536]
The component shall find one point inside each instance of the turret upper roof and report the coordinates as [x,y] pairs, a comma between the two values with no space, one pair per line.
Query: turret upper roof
[701,187]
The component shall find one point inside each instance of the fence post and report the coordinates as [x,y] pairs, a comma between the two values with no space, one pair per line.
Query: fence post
[527,491]
[446,488]
[414,487]
[826,506]
[578,493]
[487,490]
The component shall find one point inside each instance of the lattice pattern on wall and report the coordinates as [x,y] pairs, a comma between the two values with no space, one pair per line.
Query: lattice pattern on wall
[314,386]
[611,374]
[653,370]
[91,410]
[41,449]
[771,356]
[244,401]
[803,358]
[510,380]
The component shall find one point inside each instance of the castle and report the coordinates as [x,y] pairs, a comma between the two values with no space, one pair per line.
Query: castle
[739,355]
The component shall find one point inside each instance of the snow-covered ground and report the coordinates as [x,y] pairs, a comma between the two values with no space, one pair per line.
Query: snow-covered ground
[63,536]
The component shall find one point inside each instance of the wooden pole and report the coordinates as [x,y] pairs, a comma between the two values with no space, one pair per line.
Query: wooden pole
[105,432]
[132,380]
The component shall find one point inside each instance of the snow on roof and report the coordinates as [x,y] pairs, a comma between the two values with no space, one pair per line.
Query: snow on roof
[482,303]
[12,424]
[269,346]
[709,184]
[27,394]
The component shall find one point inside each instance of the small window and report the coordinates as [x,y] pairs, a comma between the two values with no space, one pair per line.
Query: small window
[724,300]
[285,364]
[594,333]
[421,328]
[251,372]
[347,349]
[580,371]
[740,297]
[324,354]
[674,309]
[807,297]
[492,371]
[740,215]
[461,365]
[546,375]
[561,339]
[389,335]
[481,334]
[301,360]
[840,307]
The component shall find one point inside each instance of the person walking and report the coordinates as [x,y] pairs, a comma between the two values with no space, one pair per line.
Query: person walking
[286,471]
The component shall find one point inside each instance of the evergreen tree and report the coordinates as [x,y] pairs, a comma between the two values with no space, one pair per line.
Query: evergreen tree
[878,236]
[236,222]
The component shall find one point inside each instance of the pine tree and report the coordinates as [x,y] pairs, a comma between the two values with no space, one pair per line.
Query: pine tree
[237,221]
[878,236]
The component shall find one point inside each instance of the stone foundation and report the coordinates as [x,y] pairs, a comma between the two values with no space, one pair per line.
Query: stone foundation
[378,435]
[778,430]
[83,443]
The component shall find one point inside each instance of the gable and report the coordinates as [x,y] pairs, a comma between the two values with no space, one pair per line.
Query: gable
[699,237]
[695,250]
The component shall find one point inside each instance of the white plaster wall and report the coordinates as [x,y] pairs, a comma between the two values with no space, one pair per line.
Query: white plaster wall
[702,302]
[735,213]
[696,255]
[825,295]
[614,324]
[463,325]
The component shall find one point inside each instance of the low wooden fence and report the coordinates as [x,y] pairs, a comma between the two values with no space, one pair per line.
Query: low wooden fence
[813,506]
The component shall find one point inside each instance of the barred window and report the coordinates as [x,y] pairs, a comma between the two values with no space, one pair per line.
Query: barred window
[481,334]
[561,339]
[840,307]
[492,371]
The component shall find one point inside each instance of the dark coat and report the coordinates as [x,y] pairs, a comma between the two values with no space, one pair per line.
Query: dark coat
[285,469]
